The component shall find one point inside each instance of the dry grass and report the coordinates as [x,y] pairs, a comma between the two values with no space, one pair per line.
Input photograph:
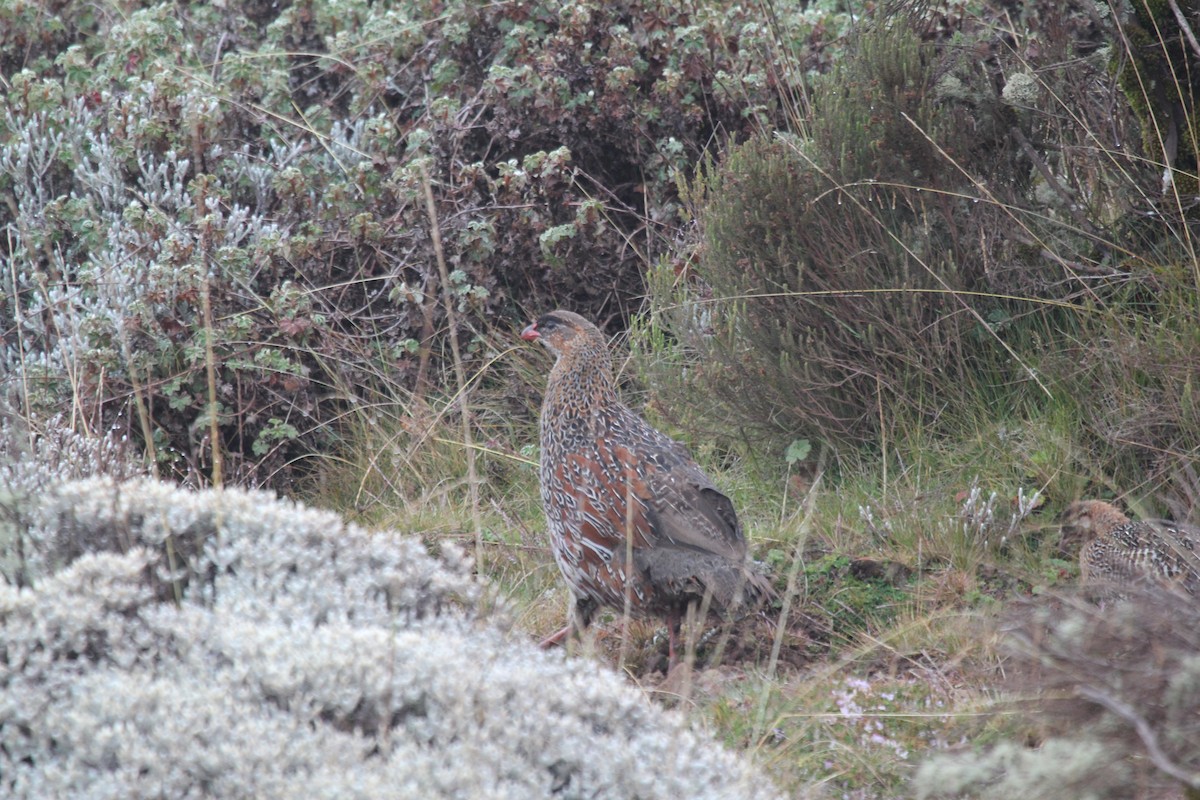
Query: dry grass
[869,674]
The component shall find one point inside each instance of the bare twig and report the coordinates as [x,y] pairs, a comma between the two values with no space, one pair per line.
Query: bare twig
[789,595]
[1185,27]
[1069,202]
[210,366]
[1144,732]
[139,400]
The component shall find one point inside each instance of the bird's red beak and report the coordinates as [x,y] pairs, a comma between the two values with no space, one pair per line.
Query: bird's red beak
[530,334]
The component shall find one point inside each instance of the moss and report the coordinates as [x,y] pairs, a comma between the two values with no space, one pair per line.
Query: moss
[850,605]
[1154,68]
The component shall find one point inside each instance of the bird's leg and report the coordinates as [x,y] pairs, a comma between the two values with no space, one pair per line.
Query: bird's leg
[580,618]
[673,623]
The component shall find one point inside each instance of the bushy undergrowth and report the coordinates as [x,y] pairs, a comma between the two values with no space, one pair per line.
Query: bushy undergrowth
[953,229]
[1117,689]
[240,189]
[228,644]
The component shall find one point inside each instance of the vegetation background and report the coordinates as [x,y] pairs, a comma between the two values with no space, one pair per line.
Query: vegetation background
[908,277]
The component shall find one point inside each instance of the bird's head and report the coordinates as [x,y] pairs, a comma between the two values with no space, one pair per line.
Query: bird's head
[563,332]
[1084,518]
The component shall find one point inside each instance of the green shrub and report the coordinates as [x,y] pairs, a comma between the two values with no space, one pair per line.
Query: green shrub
[837,261]
[953,232]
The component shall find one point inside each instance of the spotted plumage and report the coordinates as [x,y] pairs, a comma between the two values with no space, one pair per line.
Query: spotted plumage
[633,521]
[1117,550]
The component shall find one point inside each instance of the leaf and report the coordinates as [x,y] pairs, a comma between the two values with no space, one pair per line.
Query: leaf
[798,450]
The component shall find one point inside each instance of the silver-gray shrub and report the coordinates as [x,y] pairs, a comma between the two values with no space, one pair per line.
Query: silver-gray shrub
[269,160]
[230,644]
[35,457]
[1115,691]
[1081,769]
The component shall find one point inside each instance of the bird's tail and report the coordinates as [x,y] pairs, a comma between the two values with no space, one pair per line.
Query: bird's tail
[756,589]
[716,582]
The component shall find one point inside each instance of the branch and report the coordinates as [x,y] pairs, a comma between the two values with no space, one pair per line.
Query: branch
[435,235]
[1144,732]
[1069,202]
[1183,25]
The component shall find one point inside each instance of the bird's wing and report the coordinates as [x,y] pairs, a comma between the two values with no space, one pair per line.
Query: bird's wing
[637,488]
[696,516]
[682,506]
[1177,552]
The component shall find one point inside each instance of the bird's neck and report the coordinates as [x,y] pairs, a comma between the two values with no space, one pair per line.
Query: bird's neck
[582,380]
[1106,518]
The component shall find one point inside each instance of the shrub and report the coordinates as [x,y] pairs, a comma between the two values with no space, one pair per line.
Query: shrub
[1117,689]
[1072,769]
[221,644]
[240,190]
[840,263]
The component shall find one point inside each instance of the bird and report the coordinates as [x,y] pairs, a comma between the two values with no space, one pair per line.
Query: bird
[633,521]
[1117,550]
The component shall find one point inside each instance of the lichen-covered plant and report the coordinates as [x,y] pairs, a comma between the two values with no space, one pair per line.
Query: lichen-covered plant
[217,217]
[35,459]
[228,644]
[1117,689]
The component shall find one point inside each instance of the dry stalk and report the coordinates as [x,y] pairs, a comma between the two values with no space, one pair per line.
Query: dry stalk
[789,596]
[460,375]
[210,364]
[139,402]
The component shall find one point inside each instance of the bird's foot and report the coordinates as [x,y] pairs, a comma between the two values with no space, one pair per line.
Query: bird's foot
[677,683]
[555,638]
